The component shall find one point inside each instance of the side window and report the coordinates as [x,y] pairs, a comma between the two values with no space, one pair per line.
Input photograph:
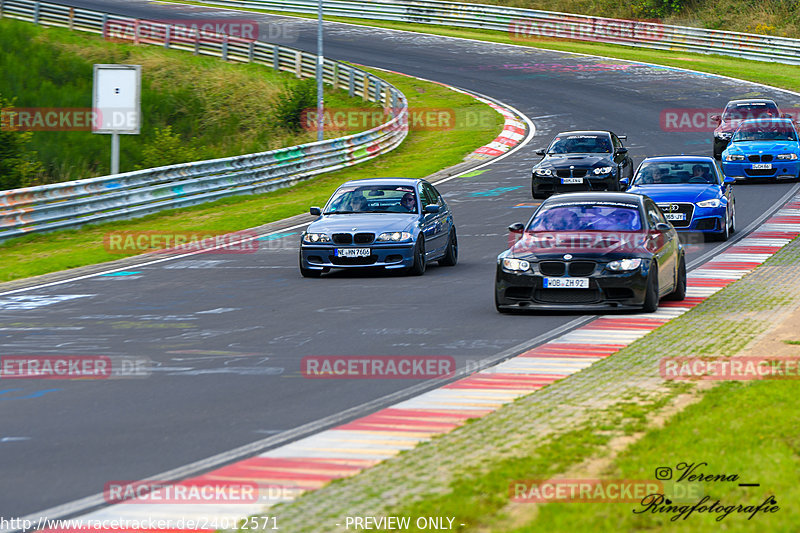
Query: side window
[654,214]
[429,195]
[435,194]
[616,141]
[720,174]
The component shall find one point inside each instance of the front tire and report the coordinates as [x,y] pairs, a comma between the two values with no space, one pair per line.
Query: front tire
[651,298]
[450,257]
[679,294]
[536,194]
[418,268]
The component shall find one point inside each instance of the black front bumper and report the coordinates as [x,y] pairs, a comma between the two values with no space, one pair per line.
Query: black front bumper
[607,290]
[553,185]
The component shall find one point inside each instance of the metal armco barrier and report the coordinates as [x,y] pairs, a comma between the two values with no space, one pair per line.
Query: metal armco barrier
[76,203]
[527,24]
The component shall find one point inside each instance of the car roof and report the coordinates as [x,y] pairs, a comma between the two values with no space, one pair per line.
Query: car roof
[766,120]
[683,158]
[752,101]
[584,132]
[383,181]
[595,197]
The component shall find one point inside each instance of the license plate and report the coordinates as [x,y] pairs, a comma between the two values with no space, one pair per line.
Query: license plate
[567,181]
[566,283]
[352,252]
[675,216]
[762,166]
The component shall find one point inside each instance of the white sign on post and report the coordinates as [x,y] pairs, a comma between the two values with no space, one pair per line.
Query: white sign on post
[116,100]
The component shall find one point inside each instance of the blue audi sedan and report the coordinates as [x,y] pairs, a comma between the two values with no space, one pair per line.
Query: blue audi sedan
[389,223]
[691,191]
[763,148]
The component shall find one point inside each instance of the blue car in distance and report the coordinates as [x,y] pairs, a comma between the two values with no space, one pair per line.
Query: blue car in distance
[390,223]
[763,148]
[691,191]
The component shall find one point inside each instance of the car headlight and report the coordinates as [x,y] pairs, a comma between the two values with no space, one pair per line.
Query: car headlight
[723,135]
[394,236]
[314,238]
[625,264]
[542,171]
[734,157]
[516,265]
[787,157]
[714,202]
[602,170]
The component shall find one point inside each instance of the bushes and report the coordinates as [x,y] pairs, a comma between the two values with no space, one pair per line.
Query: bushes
[18,165]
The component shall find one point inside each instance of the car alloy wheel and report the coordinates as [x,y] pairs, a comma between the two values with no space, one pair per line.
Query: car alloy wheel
[450,257]
[418,268]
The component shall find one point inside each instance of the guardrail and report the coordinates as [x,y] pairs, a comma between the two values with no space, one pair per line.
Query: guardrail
[131,194]
[526,24]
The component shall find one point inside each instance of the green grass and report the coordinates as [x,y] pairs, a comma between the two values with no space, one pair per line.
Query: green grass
[776,74]
[214,109]
[760,444]
[792,342]
[423,153]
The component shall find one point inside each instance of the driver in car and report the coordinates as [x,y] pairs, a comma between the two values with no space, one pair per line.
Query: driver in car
[700,172]
[408,203]
[562,220]
[358,203]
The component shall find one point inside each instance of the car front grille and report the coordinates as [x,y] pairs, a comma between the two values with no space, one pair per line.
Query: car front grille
[572,173]
[567,296]
[559,268]
[363,238]
[682,207]
[581,268]
[342,238]
[760,172]
[760,158]
[552,268]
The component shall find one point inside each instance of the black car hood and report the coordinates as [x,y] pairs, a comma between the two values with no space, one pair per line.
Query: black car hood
[583,160]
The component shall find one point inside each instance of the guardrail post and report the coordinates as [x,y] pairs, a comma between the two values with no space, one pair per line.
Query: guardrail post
[105,26]
[298,59]
[167,33]
[72,19]
[36,12]
[225,47]
[1,8]
[394,102]
[378,91]
[365,91]
[335,76]
[196,41]
[136,32]
[276,58]
[351,82]
[251,51]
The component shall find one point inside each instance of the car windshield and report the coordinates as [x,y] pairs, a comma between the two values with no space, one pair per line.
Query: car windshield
[765,131]
[373,199]
[675,173]
[750,110]
[580,144]
[599,216]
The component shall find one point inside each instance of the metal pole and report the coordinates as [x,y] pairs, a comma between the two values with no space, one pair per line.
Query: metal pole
[320,66]
[115,153]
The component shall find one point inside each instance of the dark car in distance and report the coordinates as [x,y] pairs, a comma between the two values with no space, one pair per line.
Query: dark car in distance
[592,251]
[737,111]
[389,223]
[581,161]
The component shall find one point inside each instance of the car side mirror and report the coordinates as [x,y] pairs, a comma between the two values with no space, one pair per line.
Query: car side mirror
[716,119]
[623,184]
[518,227]
[621,150]
[728,180]
[622,137]
[786,115]
[316,211]
[432,208]
[541,151]
[663,227]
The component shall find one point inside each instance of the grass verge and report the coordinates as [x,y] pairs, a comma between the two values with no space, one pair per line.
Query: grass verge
[778,75]
[424,152]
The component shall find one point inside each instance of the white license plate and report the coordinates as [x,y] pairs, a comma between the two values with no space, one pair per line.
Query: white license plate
[567,181]
[675,216]
[566,283]
[762,166]
[352,252]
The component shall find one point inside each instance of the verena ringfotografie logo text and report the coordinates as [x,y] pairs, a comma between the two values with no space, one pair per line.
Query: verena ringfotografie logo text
[184,492]
[128,242]
[378,367]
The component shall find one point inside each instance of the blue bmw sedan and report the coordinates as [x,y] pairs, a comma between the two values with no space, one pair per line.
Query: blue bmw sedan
[763,148]
[390,223]
[692,192]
